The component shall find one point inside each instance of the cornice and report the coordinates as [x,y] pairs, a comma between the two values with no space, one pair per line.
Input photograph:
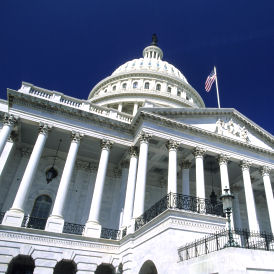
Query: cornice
[180,125]
[144,73]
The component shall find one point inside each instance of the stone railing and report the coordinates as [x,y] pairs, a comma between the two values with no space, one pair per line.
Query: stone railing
[72,228]
[60,98]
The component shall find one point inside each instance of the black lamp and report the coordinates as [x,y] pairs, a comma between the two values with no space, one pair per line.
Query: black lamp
[52,173]
[227,199]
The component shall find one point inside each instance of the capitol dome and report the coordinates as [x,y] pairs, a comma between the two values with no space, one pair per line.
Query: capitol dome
[146,82]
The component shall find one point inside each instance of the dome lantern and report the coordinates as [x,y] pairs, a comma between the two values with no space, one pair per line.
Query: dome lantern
[153,51]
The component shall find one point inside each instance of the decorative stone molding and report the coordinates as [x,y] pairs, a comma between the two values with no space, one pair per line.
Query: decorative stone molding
[265,171]
[245,165]
[13,136]
[186,164]
[172,145]
[199,152]
[106,144]
[223,159]
[25,152]
[10,120]
[76,136]
[44,128]
[232,128]
[133,151]
[145,137]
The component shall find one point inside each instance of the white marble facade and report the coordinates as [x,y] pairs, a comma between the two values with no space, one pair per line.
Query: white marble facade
[143,133]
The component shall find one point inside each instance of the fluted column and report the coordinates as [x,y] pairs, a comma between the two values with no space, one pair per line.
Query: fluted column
[185,165]
[55,222]
[15,214]
[6,154]
[135,109]
[200,179]
[172,166]
[9,122]
[93,228]
[223,160]
[139,200]
[129,201]
[269,195]
[249,197]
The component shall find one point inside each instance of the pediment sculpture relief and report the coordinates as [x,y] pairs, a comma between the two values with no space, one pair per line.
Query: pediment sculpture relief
[231,129]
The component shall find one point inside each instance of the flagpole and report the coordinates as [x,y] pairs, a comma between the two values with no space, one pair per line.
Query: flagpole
[217,88]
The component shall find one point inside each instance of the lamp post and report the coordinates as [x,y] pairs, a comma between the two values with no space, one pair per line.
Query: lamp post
[227,199]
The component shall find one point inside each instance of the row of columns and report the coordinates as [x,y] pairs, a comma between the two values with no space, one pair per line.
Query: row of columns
[136,183]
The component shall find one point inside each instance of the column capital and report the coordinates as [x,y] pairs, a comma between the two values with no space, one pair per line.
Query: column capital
[245,165]
[76,137]
[44,128]
[265,171]
[133,151]
[223,159]
[185,164]
[106,144]
[172,145]
[10,120]
[145,137]
[198,152]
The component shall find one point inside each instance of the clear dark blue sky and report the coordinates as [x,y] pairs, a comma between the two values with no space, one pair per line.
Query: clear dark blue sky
[70,45]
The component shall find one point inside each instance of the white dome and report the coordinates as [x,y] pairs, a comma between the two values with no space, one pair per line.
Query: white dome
[151,62]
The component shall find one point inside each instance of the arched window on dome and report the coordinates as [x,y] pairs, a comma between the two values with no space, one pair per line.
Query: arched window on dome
[124,86]
[178,92]
[135,84]
[169,89]
[114,88]
[158,87]
[147,85]
[105,91]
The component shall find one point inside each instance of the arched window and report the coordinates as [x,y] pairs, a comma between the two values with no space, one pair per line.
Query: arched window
[21,264]
[105,269]
[40,212]
[124,86]
[114,88]
[105,90]
[148,268]
[158,87]
[135,84]
[147,85]
[65,267]
[169,89]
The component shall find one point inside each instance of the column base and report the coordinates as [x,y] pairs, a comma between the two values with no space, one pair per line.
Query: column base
[13,217]
[55,224]
[92,229]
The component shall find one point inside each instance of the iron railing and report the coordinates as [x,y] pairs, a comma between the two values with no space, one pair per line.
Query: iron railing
[72,228]
[107,233]
[182,202]
[2,214]
[220,240]
[34,222]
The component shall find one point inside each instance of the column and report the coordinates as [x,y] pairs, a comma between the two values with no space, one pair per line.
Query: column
[250,202]
[135,109]
[269,195]
[172,166]
[93,227]
[129,201]
[139,200]
[55,222]
[9,122]
[120,107]
[200,180]
[6,154]
[185,177]
[223,160]
[15,215]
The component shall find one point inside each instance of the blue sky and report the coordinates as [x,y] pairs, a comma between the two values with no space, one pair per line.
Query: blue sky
[69,46]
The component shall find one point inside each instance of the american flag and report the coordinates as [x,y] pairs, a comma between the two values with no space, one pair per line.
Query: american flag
[210,80]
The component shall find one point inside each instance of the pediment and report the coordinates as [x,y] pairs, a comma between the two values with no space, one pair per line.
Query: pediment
[223,122]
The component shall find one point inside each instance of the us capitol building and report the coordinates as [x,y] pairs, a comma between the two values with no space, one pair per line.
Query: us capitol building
[130,180]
